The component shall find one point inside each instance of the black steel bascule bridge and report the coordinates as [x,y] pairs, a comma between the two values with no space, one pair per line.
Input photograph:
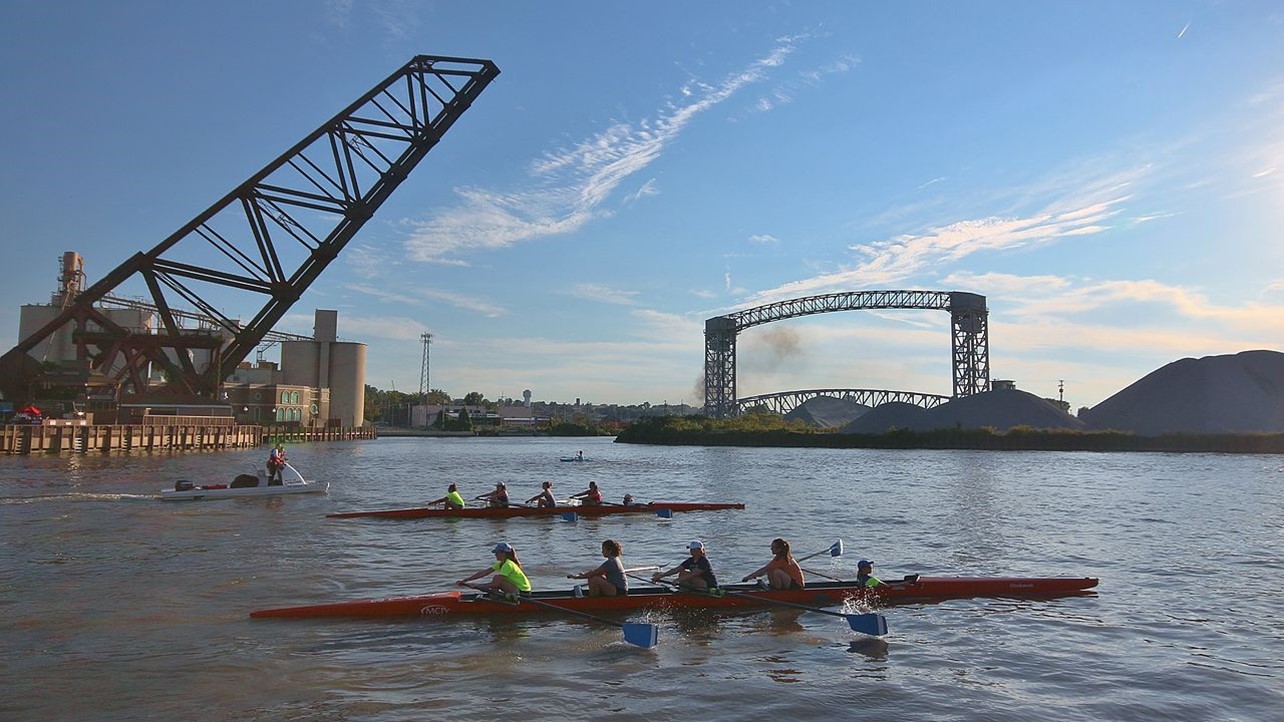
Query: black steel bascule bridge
[267,240]
[970,346]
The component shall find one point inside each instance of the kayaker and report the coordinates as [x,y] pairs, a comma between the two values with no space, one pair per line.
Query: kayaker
[693,573]
[607,580]
[545,497]
[865,574]
[509,578]
[782,571]
[592,496]
[452,499]
[496,498]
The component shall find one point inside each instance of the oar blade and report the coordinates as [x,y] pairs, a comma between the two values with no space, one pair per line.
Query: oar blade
[664,513]
[837,549]
[570,516]
[641,635]
[875,625]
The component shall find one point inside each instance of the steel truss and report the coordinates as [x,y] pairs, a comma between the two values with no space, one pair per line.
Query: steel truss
[785,401]
[969,337]
[272,236]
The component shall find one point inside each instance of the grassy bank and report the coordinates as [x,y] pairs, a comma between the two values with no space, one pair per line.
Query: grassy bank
[771,430]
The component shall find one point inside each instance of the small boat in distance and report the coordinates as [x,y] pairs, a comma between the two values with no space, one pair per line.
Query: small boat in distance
[914,590]
[243,485]
[579,456]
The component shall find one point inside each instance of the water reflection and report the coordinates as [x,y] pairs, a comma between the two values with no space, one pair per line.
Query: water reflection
[871,647]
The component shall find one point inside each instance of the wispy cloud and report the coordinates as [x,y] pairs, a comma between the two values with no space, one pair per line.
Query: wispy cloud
[1184,28]
[763,238]
[423,297]
[574,184]
[603,294]
[1080,208]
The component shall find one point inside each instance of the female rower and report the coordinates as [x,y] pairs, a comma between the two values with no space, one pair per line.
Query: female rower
[782,571]
[452,499]
[693,573]
[509,578]
[607,580]
[496,498]
[591,496]
[545,497]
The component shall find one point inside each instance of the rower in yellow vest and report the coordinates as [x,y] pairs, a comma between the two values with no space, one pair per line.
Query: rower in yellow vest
[452,499]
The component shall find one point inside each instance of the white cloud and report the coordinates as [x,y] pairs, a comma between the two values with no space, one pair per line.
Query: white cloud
[420,297]
[603,294]
[573,183]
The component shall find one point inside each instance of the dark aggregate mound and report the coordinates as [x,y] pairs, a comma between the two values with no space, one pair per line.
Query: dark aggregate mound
[828,412]
[1235,393]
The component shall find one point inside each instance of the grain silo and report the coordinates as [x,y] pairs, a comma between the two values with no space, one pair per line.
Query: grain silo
[327,363]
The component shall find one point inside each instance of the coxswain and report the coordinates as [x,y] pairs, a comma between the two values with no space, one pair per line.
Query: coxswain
[865,574]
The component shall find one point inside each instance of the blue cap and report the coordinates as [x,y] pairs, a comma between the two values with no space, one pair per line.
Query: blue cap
[864,563]
[504,547]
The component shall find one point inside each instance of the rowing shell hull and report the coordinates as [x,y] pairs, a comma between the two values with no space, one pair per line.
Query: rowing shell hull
[823,594]
[311,487]
[484,512]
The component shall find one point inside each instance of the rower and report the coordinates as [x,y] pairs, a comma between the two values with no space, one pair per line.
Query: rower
[497,498]
[545,497]
[782,571]
[607,580]
[452,499]
[628,501]
[509,578]
[592,496]
[693,573]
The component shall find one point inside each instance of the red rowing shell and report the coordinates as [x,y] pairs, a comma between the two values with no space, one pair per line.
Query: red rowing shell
[485,512]
[821,594]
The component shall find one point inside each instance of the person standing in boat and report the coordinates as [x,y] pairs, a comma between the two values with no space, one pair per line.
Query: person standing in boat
[693,573]
[275,464]
[545,497]
[497,498]
[592,496]
[608,579]
[782,571]
[579,456]
[509,578]
[452,499]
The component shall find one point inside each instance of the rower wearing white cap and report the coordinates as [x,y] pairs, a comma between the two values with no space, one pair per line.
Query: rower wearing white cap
[498,497]
[693,573]
[509,577]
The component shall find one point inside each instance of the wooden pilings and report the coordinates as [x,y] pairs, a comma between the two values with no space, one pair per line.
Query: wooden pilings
[41,439]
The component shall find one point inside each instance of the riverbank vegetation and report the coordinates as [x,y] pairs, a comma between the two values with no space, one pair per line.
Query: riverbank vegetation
[772,430]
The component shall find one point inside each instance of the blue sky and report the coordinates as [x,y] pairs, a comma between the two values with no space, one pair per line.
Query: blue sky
[1109,175]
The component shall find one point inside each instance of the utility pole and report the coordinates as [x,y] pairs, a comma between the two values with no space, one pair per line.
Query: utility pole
[424,386]
[1061,390]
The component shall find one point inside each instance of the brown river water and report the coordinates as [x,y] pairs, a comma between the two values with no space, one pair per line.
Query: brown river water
[117,606]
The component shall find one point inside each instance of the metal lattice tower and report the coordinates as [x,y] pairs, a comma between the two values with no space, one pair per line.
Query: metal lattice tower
[424,388]
[271,237]
[970,336]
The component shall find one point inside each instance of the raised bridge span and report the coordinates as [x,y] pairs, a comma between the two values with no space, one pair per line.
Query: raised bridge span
[969,345]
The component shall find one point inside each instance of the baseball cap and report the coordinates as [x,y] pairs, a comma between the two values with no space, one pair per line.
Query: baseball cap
[864,563]
[695,544]
[500,485]
[504,547]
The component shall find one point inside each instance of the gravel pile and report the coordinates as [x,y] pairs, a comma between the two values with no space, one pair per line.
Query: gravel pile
[1235,393]
[828,412]
[1001,410]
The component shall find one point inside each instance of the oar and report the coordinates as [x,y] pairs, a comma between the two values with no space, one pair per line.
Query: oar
[834,550]
[813,571]
[638,634]
[875,625]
